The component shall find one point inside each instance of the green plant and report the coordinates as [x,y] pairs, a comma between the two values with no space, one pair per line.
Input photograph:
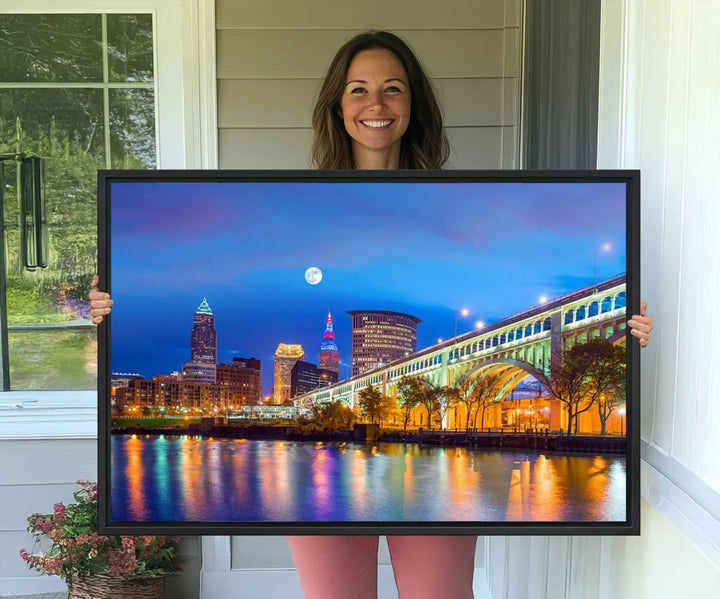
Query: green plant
[77,550]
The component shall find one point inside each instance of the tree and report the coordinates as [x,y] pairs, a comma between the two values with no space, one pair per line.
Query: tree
[463,393]
[568,383]
[388,410]
[432,397]
[445,399]
[485,394]
[409,392]
[370,402]
[334,415]
[582,374]
[609,378]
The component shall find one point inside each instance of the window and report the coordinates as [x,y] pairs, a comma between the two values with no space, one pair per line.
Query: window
[84,86]
[78,91]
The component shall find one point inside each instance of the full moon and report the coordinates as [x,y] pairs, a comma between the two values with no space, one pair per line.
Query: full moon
[313,275]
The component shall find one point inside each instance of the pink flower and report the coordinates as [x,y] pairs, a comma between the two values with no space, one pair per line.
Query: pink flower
[128,542]
[59,511]
[121,561]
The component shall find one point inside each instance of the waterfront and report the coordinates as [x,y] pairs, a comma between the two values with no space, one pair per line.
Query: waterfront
[184,478]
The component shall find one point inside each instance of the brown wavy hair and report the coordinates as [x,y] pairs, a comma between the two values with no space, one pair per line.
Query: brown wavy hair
[424,145]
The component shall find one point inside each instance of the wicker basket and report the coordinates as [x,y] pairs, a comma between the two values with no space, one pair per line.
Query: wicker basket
[116,587]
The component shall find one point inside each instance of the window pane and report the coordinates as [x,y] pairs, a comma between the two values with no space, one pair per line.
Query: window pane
[130,48]
[53,359]
[132,128]
[75,117]
[65,127]
[50,48]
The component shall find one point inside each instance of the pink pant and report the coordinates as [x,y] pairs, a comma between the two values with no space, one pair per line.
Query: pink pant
[345,567]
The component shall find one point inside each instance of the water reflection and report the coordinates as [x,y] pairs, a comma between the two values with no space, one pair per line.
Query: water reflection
[193,479]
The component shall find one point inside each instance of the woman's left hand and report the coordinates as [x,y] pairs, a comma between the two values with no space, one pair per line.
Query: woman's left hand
[641,325]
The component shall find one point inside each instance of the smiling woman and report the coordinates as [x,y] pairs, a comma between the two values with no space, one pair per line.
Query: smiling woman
[377,109]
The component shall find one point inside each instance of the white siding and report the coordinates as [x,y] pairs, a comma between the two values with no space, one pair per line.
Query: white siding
[659,84]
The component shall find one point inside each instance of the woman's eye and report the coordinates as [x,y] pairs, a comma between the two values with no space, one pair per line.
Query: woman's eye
[393,90]
[357,90]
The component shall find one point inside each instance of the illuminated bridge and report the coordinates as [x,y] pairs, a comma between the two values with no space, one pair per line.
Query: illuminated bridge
[520,345]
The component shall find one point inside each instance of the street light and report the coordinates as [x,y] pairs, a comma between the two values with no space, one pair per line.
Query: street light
[605,247]
[621,411]
[464,313]
[479,325]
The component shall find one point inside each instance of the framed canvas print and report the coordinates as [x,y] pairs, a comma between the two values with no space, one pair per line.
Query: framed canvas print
[403,352]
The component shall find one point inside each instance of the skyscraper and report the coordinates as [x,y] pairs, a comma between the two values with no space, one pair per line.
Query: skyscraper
[379,337]
[328,358]
[285,357]
[203,339]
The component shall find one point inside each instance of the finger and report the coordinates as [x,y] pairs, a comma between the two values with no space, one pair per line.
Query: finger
[639,334]
[97,319]
[639,326]
[95,281]
[643,308]
[643,342]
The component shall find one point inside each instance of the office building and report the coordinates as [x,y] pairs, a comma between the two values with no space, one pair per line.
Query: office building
[380,337]
[203,339]
[328,358]
[285,357]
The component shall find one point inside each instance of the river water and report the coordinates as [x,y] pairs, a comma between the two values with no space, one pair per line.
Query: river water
[190,479]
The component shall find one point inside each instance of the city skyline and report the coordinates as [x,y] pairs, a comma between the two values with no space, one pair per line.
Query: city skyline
[428,250]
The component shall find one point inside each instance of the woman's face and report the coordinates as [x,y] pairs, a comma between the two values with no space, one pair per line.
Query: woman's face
[375,105]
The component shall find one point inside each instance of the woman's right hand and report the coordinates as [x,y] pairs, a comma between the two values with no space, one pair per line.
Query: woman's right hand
[100,302]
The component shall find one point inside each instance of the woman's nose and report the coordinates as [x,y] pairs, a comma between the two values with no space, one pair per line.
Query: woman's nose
[376,99]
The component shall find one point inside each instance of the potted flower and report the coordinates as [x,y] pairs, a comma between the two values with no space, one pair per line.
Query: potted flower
[93,565]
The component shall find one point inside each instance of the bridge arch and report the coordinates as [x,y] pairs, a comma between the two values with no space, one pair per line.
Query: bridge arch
[511,372]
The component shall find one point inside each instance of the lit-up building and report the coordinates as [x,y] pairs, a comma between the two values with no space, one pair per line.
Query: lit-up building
[243,379]
[329,358]
[380,337]
[203,339]
[199,372]
[285,357]
[172,395]
[306,377]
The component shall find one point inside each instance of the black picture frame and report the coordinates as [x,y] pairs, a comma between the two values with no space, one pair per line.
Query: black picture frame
[630,179]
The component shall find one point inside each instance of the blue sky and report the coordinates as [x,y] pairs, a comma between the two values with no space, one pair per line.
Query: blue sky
[424,249]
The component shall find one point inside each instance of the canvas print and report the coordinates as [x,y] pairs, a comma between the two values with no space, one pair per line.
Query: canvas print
[374,352]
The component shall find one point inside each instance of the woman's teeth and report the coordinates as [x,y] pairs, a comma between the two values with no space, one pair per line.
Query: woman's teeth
[376,124]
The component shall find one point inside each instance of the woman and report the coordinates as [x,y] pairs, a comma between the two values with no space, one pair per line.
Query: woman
[377,110]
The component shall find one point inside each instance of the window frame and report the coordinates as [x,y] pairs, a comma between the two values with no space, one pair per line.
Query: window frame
[186,137]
